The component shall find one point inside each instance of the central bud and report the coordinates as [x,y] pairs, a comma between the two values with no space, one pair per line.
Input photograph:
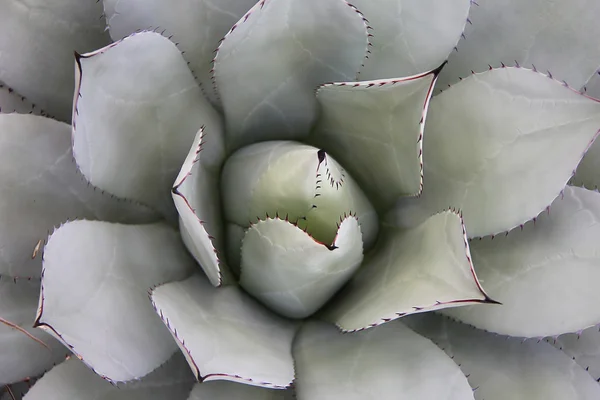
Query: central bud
[301,188]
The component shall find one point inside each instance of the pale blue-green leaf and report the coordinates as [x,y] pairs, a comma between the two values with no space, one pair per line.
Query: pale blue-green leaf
[501,368]
[375,129]
[583,347]
[24,351]
[94,293]
[13,102]
[74,380]
[196,26]
[588,170]
[533,33]
[294,181]
[225,334]
[137,111]
[37,40]
[411,36]
[501,145]
[41,188]
[409,271]
[270,63]
[291,273]
[196,197]
[545,274]
[387,362]
[223,390]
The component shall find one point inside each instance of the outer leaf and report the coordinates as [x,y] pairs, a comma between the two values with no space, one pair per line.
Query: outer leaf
[542,273]
[501,145]
[588,171]
[500,368]
[388,362]
[583,347]
[104,316]
[73,380]
[41,188]
[411,36]
[16,391]
[11,101]
[269,64]
[291,273]
[375,129]
[37,39]
[223,390]
[137,111]
[409,271]
[24,351]
[535,33]
[196,26]
[196,196]
[226,335]
[295,181]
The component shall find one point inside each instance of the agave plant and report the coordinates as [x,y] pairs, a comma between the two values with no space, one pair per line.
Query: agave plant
[337,202]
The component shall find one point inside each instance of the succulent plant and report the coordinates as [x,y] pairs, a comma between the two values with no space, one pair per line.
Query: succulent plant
[299,199]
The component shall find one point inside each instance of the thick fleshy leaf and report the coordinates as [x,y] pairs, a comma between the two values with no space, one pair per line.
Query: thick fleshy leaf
[534,34]
[74,380]
[588,170]
[592,86]
[196,196]
[501,145]
[223,390]
[294,181]
[387,362]
[409,271]
[196,26]
[137,111]
[500,368]
[542,273]
[226,335]
[375,129]
[583,347]
[41,188]
[291,273]
[37,40]
[411,36]
[104,316]
[269,64]
[24,351]
[11,101]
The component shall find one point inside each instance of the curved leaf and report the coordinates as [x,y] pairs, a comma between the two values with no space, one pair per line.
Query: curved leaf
[226,335]
[104,316]
[268,65]
[543,273]
[11,101]
[535,34]
[41,188]
[295,181]
[74,380]
[291,273]
[409,36]
[196,26]
[375,129]
[583,347]
[196,197]
[24,351]
[409,271]
[501,145]
[223,390]
[387,362]
[37,41]
[500,368]
[588,170]
[137,111]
